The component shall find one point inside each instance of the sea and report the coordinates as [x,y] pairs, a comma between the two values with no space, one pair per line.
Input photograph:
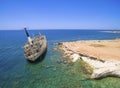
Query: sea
[55,70]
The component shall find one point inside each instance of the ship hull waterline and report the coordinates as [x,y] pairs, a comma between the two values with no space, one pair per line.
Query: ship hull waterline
[38,59]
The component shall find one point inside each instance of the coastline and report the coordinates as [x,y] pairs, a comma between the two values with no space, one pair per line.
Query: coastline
[101,55]
[112,31]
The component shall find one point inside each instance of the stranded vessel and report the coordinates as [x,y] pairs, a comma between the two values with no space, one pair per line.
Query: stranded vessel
[35,48]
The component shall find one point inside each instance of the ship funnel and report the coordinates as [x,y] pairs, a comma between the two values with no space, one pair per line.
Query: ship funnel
[29,39]
[26,32]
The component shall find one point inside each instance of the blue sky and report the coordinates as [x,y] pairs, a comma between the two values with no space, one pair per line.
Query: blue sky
[60,14]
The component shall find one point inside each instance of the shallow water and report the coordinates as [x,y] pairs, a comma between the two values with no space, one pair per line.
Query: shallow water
[17,72]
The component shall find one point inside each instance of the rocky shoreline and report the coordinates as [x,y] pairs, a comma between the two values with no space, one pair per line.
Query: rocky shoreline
[101,67]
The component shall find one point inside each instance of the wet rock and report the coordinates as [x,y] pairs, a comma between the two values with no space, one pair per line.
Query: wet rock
[60,43]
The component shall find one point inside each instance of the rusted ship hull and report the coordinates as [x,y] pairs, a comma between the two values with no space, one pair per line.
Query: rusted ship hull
[39,58]
[35,48]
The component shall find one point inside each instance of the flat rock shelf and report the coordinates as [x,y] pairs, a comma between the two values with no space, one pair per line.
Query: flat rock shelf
[102,55]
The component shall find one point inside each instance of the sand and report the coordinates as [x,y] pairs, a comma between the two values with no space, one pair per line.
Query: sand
[104,49]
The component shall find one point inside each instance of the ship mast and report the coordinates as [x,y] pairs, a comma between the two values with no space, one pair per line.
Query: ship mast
[28,36]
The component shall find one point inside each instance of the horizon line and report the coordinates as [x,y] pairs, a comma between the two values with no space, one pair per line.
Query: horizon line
[62,29]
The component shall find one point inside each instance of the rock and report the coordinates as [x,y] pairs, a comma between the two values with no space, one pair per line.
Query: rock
[101,68]
[65,62]
[75,57]
[106,71]
[60,43]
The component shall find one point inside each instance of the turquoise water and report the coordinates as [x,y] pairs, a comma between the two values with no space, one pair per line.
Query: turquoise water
[54,71]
